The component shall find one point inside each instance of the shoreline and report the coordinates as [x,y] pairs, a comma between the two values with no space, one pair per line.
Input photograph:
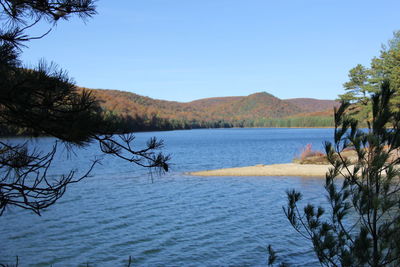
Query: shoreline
[286,169]
[170,130]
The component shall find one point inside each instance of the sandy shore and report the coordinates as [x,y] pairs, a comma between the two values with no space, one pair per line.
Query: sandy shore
[288,169]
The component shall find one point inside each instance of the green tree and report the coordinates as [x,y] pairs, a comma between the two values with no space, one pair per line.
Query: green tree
[362,227]
[44,101]
[365,81]
[358,87]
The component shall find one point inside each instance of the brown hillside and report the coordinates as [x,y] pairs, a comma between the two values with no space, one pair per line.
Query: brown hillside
[252,107]
[313,105]
[264,105]
[324,113]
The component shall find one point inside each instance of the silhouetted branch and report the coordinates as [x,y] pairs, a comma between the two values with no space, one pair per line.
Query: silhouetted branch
[19,16]
[45,101]
[25,181]
[146,157]
[14,265]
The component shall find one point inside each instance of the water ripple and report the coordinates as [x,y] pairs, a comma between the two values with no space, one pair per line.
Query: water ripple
[175,220]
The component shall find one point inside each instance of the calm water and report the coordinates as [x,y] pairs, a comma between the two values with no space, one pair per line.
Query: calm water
[175,219]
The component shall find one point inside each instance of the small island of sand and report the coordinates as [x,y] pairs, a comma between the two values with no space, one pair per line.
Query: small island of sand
[287,169]
[309,163]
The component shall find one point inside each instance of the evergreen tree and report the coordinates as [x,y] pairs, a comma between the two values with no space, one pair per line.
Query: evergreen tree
[44,101]
[365,81]
[362,227]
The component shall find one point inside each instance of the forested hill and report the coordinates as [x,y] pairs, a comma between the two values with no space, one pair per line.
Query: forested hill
[313,105]
[255,110]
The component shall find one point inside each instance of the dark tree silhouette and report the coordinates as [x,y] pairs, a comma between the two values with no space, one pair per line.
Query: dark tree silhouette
[44,101]
[362,227]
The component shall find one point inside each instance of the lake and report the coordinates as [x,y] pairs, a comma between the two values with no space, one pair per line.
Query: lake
[174,219]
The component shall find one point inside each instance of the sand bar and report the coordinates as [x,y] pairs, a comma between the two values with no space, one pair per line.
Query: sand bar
[287,169]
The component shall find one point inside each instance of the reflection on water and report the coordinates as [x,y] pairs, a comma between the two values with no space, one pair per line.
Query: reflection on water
[173,220]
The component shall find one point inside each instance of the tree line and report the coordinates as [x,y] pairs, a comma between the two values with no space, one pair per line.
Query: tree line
[156,123]
[118,124]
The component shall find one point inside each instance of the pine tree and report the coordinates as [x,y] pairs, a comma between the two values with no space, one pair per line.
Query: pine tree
[362,227]
[44,101]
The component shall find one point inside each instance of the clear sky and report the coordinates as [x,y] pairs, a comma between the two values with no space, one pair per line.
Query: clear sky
[189,49]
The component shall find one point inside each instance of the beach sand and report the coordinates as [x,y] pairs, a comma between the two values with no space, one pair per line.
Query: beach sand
[287,169]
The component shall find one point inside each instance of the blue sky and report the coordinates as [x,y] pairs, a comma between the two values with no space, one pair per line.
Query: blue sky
[185,50]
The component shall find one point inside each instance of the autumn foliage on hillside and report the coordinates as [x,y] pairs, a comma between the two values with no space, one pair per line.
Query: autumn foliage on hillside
[129,112]
[256,110]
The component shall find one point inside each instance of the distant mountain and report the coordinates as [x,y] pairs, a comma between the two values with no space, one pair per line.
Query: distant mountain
[313,105]
[258,105]
[257,109]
